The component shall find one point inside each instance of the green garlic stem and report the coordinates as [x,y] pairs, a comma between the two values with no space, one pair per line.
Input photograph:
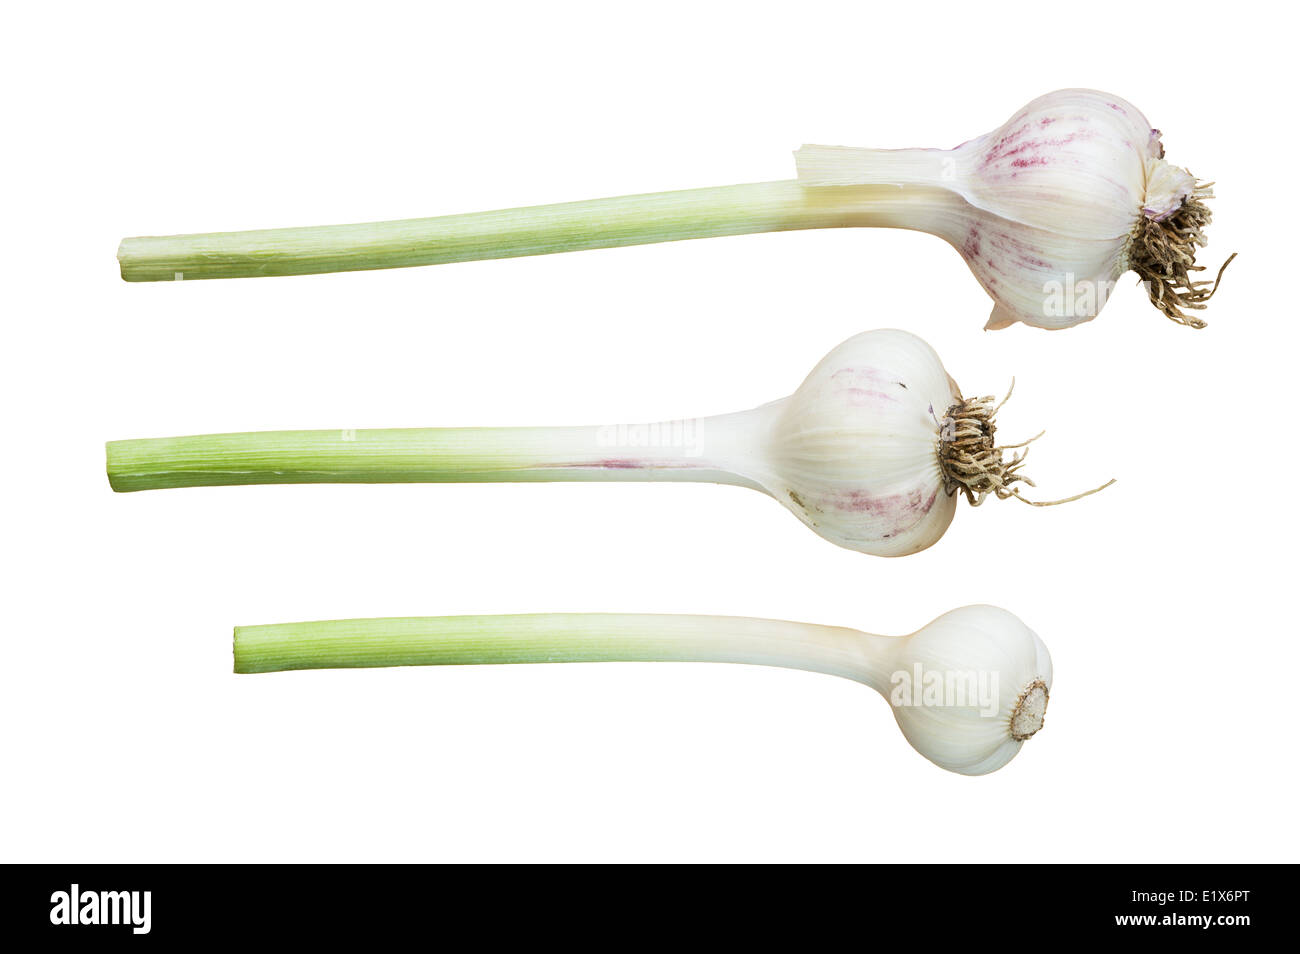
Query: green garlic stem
[564,637]
[708,450]
[536,230]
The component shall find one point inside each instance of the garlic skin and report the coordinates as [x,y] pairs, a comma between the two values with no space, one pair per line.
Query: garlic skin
[854,452]
[1073,162]
[983,642]
[1047,209]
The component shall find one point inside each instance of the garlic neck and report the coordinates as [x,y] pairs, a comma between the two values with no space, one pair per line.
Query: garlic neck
[722,449]
[855,165]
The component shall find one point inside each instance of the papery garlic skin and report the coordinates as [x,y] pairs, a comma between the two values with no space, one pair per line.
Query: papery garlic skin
[991,646]
[1047,204]
[1074,161]
[854,452]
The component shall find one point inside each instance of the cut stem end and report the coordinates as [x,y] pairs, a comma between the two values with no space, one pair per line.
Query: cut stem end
[1031,708]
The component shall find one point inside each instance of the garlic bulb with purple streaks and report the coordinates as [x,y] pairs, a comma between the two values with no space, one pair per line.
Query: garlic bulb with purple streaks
[1051,208]
[871,451]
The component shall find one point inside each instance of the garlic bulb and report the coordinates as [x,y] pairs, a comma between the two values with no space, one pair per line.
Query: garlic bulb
[857,452]
[967,690]
[971,646]
[1051,208]
[1048,211]
[871,451]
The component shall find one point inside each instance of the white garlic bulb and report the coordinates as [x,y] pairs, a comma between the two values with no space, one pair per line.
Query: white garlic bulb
[1050,209]
[967,690]
[987,658]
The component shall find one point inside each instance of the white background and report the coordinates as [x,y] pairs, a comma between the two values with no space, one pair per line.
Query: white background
[1166,602]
